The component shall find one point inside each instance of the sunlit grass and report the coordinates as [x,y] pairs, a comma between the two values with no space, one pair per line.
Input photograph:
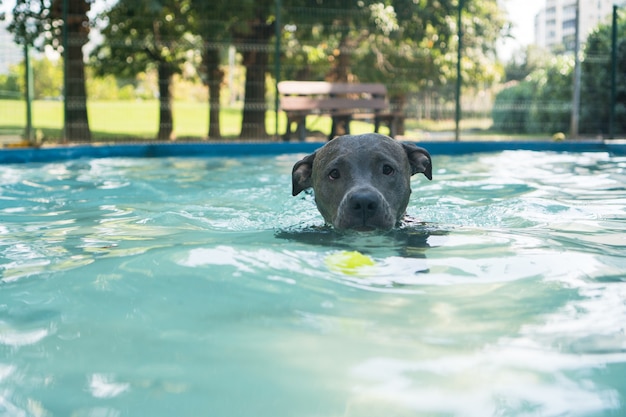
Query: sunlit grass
[125,119]
[138,120]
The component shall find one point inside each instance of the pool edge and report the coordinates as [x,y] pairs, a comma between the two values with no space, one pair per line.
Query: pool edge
[55,153]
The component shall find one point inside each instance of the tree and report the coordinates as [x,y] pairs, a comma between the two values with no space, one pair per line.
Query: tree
[252,25]
[541,103]
[143,34]
[510,109]
[409,45]
[326,32]
[251,28]
[551,106]
[40,23]
[325,36]
[596,81]
[10,84]
[525,61]
[211,25]
[47,84]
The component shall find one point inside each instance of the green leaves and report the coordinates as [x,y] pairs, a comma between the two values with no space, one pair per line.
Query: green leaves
[596,80]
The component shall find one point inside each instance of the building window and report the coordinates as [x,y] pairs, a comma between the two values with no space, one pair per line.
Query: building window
[569,24]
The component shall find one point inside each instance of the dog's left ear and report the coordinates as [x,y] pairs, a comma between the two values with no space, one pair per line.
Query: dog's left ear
[301,174]
[420,161]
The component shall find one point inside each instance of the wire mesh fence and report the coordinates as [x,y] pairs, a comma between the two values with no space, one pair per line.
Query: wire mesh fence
[196,71]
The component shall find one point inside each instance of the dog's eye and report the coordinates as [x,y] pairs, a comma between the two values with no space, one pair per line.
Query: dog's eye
[388,170]
[334,174]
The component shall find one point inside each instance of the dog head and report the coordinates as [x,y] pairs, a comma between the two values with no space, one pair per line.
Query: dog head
[361,182]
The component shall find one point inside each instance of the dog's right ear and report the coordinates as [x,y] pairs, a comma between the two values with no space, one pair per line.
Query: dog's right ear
[420,160]
[301,174]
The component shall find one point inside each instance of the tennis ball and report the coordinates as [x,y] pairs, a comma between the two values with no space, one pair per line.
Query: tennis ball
[558,137]
[348,262]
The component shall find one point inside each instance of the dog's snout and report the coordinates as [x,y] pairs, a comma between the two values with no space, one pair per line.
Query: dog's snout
[364,204]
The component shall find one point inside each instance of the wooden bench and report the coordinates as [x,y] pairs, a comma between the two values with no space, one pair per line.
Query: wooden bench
[342,101]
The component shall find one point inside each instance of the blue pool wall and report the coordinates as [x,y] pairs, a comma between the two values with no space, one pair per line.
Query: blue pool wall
[147,150]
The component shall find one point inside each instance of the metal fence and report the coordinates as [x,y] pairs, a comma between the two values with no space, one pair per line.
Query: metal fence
[223,86]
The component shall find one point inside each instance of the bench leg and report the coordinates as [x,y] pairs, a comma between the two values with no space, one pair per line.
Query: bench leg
[333,129]
[301,129]
[287,135]
[340,122]
[393,127]
[391,123]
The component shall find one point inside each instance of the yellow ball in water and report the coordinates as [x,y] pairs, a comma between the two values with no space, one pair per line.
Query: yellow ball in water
[348,262]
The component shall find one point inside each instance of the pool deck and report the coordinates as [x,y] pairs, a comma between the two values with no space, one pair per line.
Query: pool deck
[238,149]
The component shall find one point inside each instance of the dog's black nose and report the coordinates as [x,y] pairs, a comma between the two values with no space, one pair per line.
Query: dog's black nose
[364,204]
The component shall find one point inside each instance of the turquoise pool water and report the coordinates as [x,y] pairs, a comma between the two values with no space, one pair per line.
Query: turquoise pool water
[200,287]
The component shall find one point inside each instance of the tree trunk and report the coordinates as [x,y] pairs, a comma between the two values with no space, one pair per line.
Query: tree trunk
[255,60]
[166,125]
[253,123]
[398,104]
[215,77]
[340,72]
[76,119]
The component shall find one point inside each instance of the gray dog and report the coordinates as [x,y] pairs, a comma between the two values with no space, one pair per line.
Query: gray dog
[362,182]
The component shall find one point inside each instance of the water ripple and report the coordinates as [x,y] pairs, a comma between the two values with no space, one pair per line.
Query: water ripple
[142,286]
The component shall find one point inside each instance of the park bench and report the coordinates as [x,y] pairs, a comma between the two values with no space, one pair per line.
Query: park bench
[342,101]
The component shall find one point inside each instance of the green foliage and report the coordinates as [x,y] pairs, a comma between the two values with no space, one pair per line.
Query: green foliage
[510,110]
[143,33]
[48,82]
[103,88]
[551,104]
[40,23]
[408,45]
[10,85]
[541,103]
[525,61]
[30,18]
[547,87]
[596,81]
[49,78]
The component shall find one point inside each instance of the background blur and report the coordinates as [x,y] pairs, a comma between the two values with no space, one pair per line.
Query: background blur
[77,70]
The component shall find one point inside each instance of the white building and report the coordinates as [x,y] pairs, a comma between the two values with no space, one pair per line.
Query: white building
[555,25]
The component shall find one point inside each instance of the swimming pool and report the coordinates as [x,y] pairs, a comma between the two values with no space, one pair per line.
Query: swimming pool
[196,286]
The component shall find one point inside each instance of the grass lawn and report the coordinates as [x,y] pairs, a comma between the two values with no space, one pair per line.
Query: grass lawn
[138,120]
[122,119]
[110,120]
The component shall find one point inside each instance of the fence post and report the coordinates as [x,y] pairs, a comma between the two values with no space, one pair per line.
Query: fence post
[28,133]
[277,34]
[457,113]
[613,74]
[64,15]
[576,93]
